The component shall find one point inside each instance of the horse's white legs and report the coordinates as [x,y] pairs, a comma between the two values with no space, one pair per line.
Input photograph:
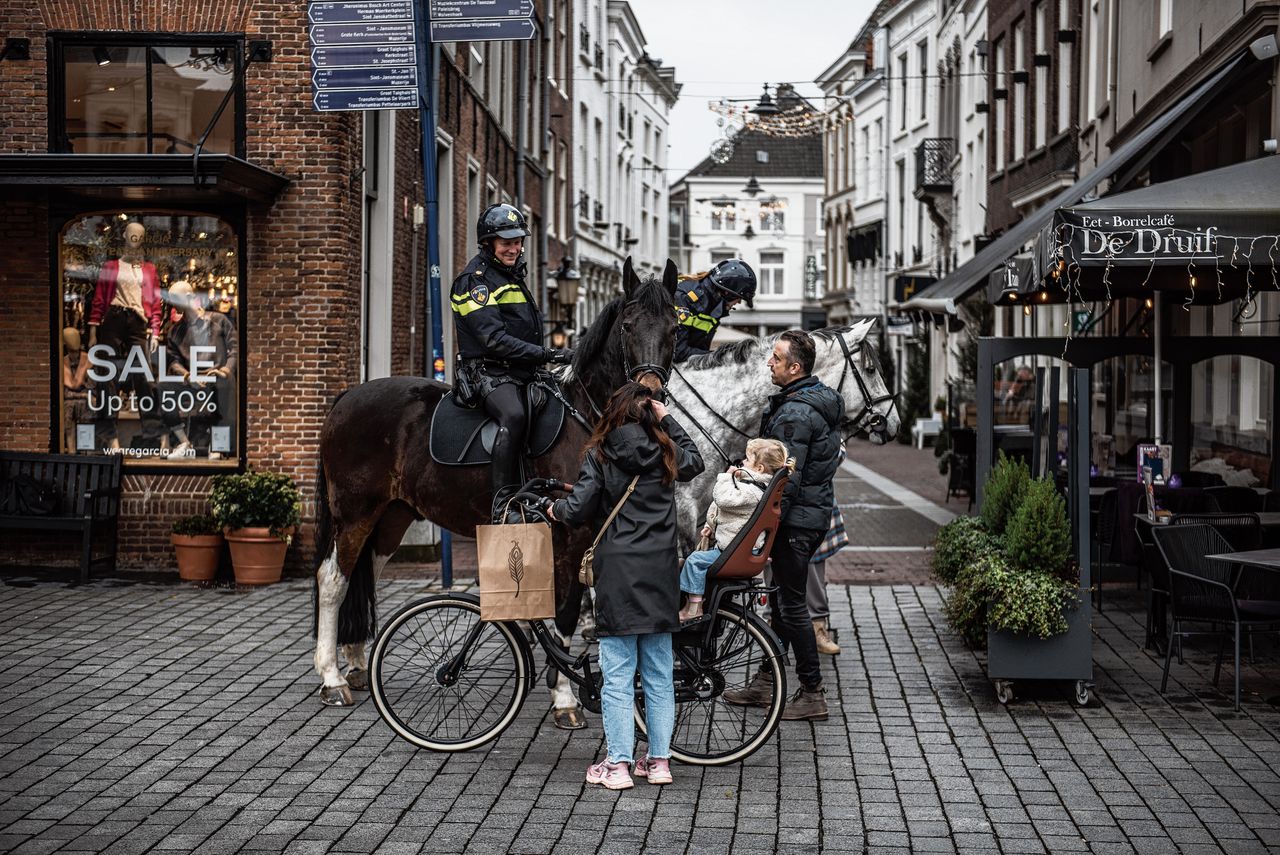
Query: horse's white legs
[566,713]
[332,589]
[357,667]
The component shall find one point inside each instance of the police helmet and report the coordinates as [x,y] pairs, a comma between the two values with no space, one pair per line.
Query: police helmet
[501,221]
[735,279]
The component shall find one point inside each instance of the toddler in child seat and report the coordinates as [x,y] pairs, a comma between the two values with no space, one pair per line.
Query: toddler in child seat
[733,500]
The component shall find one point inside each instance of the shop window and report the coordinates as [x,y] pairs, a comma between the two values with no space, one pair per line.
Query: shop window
[150,351]
[1231,406]
[123,96]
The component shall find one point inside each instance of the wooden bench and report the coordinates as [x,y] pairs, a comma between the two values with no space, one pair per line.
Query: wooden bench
[88,500]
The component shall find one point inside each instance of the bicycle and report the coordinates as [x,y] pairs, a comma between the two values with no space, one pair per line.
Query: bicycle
[446,681]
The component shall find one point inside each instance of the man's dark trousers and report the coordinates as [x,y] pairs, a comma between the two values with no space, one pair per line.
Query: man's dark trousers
[791,552]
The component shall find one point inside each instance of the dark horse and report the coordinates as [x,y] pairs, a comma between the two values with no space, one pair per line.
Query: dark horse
[377,477]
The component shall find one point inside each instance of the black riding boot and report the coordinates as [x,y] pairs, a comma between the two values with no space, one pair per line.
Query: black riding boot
[505,467]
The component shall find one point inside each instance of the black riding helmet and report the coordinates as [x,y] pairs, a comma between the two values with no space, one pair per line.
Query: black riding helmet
[735,278]
[501,221]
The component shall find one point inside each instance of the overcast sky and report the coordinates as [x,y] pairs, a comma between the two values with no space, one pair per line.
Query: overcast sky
[730,48]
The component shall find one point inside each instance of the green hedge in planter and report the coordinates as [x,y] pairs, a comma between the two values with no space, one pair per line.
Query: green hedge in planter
[256,500]
[1018,577]
[1005,488]
[202,524]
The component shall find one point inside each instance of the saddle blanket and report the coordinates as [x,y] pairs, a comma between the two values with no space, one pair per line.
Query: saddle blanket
[462,436]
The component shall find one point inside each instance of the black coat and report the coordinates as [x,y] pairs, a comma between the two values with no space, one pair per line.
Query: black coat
[637,567]
[805,416]
[496,316]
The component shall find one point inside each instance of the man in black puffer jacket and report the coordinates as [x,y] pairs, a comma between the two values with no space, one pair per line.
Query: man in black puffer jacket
[805,416]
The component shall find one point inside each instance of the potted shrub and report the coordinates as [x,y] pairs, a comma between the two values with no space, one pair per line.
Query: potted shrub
[198,543]
[1014,588]
[258,512]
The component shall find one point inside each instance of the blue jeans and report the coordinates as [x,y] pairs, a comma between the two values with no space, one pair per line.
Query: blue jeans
[693,575]
[618,663]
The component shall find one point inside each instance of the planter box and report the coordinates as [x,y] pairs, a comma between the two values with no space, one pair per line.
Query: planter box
[1064,657]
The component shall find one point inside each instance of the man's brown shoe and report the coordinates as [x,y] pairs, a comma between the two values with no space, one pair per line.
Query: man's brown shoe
[825,645]
[758,693]
[807,706]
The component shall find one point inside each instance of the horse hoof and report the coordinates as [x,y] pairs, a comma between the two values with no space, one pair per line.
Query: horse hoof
[570,719]
[336,696]
[358,679]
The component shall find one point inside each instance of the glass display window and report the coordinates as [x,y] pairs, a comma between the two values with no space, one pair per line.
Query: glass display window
[150,349]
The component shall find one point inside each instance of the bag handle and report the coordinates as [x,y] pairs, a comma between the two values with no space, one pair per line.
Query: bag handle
[614,513]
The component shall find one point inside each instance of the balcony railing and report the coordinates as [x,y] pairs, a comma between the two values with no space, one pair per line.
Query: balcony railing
[933,164]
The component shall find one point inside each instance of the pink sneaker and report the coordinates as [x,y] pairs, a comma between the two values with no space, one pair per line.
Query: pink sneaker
[656,769]
[614,776]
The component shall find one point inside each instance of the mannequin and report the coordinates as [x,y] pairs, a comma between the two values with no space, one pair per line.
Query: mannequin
[202,349]
[75,393]
[125,314]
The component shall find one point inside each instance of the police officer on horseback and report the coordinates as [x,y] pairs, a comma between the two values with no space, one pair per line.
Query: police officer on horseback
[500,336]
[703,299]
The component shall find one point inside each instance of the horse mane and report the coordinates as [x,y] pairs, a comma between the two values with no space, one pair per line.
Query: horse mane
[593,345]
[740,352]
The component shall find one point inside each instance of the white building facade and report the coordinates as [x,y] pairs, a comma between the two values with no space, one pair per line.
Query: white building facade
[776,227]
[623,99]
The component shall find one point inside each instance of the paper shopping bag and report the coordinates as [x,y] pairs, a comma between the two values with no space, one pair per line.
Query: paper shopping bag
[517,572]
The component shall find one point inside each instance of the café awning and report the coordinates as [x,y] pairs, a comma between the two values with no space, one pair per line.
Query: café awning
[172,178]
[1209,237]
[1137,151]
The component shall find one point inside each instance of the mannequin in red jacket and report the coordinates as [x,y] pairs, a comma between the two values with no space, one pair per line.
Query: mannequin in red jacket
[127,305]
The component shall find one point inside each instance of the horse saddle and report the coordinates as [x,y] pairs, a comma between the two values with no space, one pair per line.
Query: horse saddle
[463,436]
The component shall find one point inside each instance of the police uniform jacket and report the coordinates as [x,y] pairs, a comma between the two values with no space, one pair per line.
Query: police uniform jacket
[497,319]
[699,308]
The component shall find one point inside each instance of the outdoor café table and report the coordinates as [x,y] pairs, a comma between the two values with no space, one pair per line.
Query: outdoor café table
[1265,559]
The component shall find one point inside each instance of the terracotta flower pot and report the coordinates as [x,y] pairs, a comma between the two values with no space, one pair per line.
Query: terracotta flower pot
[198,555]
[257,555]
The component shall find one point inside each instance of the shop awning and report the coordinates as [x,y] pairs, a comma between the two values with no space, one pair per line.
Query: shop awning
[1210,237]
[144,177]
[1011,280]
[973,274]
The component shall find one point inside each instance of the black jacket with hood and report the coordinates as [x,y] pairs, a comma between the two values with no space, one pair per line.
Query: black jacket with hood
[805,417]
[637,567]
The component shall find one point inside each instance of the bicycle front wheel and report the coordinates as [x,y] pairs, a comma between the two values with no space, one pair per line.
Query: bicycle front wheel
[445,680]
[708,730]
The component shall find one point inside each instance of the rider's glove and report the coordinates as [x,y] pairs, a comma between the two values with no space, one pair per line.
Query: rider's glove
[560,356]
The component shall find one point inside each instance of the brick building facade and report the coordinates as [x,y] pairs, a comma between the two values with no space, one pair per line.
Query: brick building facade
[286,200]
[1033,66]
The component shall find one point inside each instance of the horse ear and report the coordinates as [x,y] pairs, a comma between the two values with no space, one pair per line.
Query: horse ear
[671,276]
[629,280]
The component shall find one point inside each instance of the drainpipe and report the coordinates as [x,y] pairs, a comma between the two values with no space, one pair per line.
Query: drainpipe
[548,156]
[522,62]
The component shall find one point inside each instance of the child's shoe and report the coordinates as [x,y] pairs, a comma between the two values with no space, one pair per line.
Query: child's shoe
[692,610]
[656,769]
[613,776]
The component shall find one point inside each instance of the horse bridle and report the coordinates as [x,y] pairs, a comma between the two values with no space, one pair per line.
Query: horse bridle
[875,421]
[632,373]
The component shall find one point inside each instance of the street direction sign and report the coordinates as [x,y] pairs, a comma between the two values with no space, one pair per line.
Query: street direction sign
[396,77]
[482,30]
[363,56]
[365,99]
[454,10]
[397,32]
[359,11]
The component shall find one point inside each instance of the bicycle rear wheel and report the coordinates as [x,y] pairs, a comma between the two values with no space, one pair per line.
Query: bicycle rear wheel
[445,680]
[708,731]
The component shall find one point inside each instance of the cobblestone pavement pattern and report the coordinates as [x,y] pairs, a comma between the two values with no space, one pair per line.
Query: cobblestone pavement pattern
[145,719]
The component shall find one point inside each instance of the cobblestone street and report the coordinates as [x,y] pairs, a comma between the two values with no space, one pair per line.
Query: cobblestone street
[142,718]
[145,718]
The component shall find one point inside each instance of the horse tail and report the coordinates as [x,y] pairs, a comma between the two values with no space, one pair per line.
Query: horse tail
[358,614]
[324,529]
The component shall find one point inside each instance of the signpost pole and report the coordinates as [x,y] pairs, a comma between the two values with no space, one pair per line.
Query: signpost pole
[427,121]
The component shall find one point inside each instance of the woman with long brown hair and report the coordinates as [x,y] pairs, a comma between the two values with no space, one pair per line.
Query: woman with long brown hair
[636,571]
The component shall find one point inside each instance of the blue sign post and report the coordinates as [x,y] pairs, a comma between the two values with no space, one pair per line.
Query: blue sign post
[480,20]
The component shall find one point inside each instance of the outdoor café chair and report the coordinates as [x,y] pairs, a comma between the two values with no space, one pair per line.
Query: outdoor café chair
[1201,591]
[1104,536]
